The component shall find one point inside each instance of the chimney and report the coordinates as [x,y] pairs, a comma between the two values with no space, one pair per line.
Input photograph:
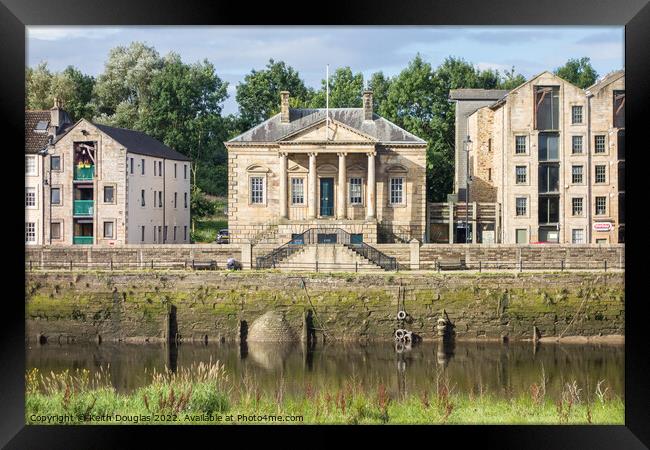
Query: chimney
[56,114]
[284,107]
[367,105]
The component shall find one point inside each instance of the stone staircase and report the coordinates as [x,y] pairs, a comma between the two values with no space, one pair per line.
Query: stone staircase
[266,236]
[327,258]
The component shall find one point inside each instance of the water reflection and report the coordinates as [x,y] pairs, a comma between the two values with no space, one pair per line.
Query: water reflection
[503,369]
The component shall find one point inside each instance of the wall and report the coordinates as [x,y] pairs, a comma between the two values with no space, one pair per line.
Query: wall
[35,213]
[137,306]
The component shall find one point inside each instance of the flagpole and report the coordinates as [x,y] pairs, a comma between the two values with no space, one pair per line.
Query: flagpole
[327,103]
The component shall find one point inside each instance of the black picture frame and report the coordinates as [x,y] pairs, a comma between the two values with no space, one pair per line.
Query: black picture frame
[633,14]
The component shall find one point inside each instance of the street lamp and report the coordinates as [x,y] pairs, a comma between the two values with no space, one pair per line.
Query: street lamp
[468,144]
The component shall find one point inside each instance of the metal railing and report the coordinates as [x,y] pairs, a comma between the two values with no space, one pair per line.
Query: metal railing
[326,236]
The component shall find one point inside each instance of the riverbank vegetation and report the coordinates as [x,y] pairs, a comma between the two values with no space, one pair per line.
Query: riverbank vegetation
[205,393]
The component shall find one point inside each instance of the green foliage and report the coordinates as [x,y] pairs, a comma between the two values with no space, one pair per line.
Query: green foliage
[578,71]
[258,96]
[201,205]
[379,84]
[345,90]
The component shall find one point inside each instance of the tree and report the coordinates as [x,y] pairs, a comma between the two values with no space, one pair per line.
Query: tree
[184,111]
[579,72]
[379,84]
[510,81]
[71,86]
[258,96]
[345,90]
[124,86]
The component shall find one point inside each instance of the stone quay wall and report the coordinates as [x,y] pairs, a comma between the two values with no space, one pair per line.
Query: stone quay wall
[220,306]
[412,256]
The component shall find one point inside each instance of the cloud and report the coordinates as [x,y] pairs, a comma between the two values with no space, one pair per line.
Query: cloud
[59,33]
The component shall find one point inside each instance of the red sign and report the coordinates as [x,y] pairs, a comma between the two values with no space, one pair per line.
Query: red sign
[602,226]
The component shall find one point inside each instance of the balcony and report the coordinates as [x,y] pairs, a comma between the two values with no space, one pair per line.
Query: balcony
[84,172]
[82,240]
[83,207]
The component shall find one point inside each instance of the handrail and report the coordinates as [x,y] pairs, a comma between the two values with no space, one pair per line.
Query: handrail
[326,236]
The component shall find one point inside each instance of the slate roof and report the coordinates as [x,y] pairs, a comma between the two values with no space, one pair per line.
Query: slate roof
[477,94]
[141,143]
[35,142]
[604,81]
[273,130]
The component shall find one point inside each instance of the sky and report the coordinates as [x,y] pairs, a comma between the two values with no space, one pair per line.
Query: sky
[235,51]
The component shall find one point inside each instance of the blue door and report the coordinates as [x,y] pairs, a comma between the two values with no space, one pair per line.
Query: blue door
[326,197]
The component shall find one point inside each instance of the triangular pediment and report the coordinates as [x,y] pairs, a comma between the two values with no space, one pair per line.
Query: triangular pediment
[338,132]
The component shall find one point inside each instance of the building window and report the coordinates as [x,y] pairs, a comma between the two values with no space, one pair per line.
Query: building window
[549,178]
[576,174]
[257,190]
[600,174]
[108,230]
[175,169]
[160,199]
[160,169]
[547,107]
[619,109]
[185,232]
[30,196]
[30,165]
[142,166]
[142,233]
[30,232]
[621,176]
[175,199]
[55,230]
[521,206]
[154,198]
[520,145]
[55,196]
[620,144]
[576,114]
[599,144]
[160,234]
[521,174]
[185,171]
[185,199]
[109,194]
[548,146]
[155,172]
[490,174]
[576,144]
[521,236]
[154,233]
[578,236]
[175,233]
[142,202]
[297,191]
[576,206]
[397,190]
[601,206]
[55,163]
[549,209]
[131,166]
[165,234]
[355,191]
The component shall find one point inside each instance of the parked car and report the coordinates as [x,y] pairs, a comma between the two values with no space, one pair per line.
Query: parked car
[222,237]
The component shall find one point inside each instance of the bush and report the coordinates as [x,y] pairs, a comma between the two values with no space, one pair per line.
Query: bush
[208,400]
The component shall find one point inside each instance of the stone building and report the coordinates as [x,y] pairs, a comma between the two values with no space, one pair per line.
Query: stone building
[109,186]
[350,170]
[552,156]
[41,127]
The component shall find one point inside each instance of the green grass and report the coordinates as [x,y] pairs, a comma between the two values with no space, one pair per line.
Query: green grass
[206,228]
[205,394]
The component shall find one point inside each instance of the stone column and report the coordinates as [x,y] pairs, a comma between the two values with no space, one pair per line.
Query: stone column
[284,214]
[311,203]
[371,186]
[342,203]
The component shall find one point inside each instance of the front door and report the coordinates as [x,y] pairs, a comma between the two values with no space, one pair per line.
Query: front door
[326,197]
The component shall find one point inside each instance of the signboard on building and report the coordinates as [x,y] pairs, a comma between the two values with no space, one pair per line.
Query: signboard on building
[602,226]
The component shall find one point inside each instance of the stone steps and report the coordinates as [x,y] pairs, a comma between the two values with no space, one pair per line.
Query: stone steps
[330,258]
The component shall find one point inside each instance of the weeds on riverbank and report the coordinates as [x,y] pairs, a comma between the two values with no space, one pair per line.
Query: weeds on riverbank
[204,393]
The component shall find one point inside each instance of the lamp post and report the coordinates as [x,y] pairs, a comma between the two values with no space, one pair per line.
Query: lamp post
[468,144]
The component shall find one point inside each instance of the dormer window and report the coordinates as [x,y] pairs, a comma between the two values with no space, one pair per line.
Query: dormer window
[41,126]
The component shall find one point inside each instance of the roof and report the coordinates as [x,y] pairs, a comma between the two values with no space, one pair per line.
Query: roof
[135,142]
[604,81]
[477,94]
[35,142]
[272,130]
